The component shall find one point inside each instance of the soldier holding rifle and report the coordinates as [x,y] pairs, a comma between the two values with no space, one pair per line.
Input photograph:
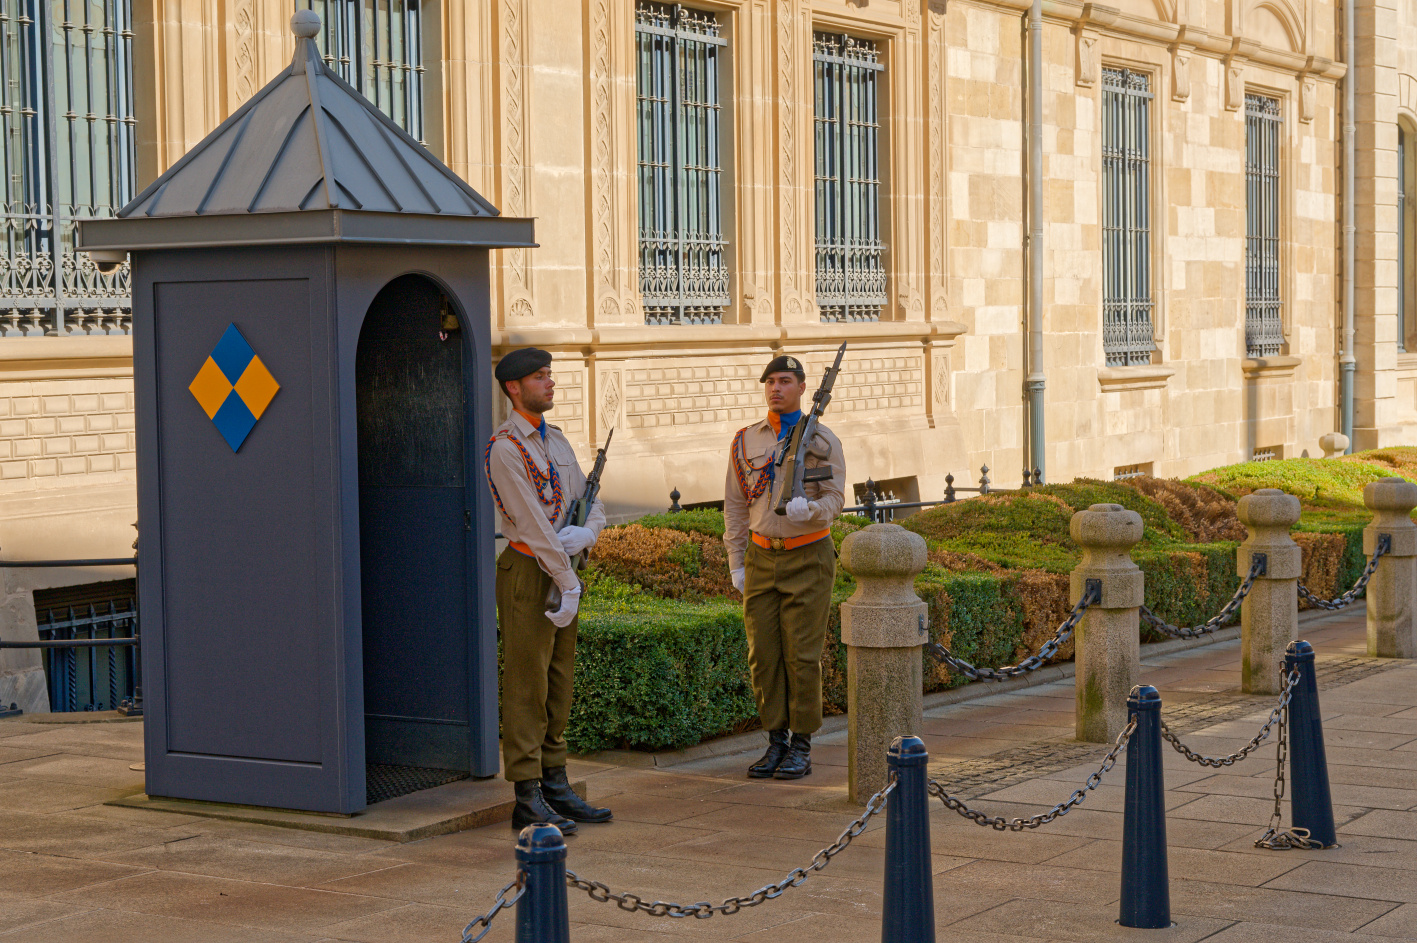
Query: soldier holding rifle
[785,486]
[535,482]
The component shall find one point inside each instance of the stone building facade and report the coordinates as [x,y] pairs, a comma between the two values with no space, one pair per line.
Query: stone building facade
[1191,244]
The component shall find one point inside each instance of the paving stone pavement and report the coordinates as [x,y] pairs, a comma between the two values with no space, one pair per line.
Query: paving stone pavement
[73,869]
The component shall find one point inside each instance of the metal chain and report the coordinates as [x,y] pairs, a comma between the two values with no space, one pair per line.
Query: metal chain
[1286,691]
[1384,546]
[1257,569]
[703,909]
[1091,595]
[1043,818]
[1274,837]
[503,902]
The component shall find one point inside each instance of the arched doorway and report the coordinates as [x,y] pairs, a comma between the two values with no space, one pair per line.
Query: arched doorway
[414,423]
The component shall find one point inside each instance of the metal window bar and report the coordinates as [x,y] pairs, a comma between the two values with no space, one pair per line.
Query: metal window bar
[377,47]
[1264,332]
[1127,333]
[683,250]
[850,257]
[69,153]
[91,677]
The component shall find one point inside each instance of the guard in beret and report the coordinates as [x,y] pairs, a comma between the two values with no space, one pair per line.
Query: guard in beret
[533,473]
[784,566]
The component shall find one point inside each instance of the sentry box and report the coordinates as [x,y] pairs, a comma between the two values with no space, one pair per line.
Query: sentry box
[312,369]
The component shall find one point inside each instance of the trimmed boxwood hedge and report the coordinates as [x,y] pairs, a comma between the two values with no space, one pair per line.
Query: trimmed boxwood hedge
[662,658]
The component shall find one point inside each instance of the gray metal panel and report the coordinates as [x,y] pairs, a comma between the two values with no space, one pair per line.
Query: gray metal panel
[316,226]
[245,648]
[308,141]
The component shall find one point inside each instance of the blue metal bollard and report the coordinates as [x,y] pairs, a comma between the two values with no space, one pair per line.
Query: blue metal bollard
[1308,764]
[1146,890]
[909,906]
[542,915]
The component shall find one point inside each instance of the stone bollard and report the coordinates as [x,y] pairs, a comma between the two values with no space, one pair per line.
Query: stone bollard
[883,629]
[1269,616]
[1392,592]
[1334,444]
[1107,654]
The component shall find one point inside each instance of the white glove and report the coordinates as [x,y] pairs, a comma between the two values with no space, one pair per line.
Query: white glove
[575,539]
[800,511]
[738,579]
[570,605]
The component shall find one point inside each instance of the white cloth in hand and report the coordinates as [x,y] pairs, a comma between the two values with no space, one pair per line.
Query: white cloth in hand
[738,579]
[570,605]
[800,511]
[575,539]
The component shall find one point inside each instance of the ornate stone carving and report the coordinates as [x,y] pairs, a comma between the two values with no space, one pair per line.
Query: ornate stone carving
[515,195]
[520,309]
[1180,73]
[245,55]
[1308,99]
[1234,84]
[938,49]
[787,146]
[611,398]
[941,384]
[602,135]
[1087,65]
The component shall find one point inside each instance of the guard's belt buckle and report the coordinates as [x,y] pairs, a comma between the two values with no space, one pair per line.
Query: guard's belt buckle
[776,543]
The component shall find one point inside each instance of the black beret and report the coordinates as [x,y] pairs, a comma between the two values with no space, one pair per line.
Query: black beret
[521,363]
[784,364]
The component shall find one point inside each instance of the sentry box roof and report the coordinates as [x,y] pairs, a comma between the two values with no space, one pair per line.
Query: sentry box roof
[307,160]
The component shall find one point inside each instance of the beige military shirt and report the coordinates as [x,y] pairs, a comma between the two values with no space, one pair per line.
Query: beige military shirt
[740,517]
[525,519]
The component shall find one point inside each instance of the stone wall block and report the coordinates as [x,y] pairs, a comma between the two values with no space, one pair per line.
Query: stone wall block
[1392,594]
[1107,639]
[1269,616]
[882,625]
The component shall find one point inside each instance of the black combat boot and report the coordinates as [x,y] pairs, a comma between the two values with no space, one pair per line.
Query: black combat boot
[772,759]
[798,762]
[563,799]
[531,808]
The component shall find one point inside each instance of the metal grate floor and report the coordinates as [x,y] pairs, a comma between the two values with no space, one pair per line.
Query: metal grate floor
[389,782]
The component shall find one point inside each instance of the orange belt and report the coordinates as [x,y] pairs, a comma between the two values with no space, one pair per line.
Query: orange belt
[520,548]
[787,543]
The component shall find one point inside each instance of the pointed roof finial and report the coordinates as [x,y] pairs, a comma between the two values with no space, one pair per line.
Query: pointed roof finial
[305,24]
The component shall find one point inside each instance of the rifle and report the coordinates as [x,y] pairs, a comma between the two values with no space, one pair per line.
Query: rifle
[577,512]
[792,471]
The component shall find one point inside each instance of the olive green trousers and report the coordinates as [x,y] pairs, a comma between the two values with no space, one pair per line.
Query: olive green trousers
[786,603]
[538,661]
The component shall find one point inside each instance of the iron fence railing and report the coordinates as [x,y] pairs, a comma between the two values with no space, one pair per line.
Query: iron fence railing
[92,653]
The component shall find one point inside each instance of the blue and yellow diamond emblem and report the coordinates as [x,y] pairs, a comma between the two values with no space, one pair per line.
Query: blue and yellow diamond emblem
[234,387]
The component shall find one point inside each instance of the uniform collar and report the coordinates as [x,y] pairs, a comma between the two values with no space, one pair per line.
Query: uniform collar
[774,421]
[525,425]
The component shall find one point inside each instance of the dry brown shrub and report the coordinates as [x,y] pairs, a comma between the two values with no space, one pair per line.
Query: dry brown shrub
[1043,597]
[960,562]
[1206,515]
[665,562]
[1323,559]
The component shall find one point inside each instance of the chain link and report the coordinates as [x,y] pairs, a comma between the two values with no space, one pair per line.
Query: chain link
[1286,691]
[1043,818]
[1274,837]
[1257,569]
[503,902]
[703,909]
[1384,546]
[1091,595]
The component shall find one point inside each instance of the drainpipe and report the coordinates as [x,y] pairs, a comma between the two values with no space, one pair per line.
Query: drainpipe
[1347,363]
[1035,381]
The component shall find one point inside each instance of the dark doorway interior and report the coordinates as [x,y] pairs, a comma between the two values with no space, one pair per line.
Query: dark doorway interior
[413,401]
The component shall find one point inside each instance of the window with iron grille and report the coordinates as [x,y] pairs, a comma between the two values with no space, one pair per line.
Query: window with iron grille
[683,252]
[1264,332]
[1127,334]
[851,275]
[377,46]
[66,103]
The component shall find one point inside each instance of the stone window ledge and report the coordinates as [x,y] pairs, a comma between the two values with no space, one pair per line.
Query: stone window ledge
[1151,376]
[1407,361]
[1270,367]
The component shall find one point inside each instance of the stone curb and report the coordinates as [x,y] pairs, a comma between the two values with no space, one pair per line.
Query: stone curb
[756,739]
